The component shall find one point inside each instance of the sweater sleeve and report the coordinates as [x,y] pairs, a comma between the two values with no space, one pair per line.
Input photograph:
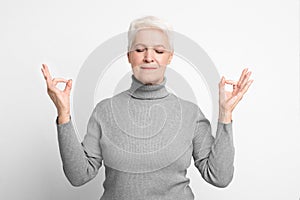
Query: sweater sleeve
[213,157]
[81,161]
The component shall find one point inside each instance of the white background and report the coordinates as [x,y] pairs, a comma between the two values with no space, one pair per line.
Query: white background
[260,34]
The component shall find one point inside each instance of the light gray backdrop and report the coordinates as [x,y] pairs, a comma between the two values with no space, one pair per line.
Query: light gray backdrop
[261,35]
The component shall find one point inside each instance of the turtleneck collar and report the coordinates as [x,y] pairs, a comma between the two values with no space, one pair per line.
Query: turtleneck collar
[142,91]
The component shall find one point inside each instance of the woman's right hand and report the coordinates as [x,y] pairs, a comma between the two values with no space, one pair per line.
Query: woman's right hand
[60,98]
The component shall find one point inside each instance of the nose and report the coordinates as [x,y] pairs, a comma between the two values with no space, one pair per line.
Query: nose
[148,56]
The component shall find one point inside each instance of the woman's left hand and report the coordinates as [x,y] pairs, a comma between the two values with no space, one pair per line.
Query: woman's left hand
[229,99]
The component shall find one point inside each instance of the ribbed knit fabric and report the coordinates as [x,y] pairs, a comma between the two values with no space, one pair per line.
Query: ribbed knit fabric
[145,137]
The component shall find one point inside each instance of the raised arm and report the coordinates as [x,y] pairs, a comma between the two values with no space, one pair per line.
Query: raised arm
[81,161]
[214,157]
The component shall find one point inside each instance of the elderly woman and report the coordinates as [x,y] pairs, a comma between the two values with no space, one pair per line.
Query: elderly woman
[146,135]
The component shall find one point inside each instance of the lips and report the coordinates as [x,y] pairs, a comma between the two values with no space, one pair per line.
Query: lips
[148,67]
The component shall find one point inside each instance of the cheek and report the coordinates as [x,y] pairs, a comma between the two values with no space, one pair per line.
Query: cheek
[136,58]
[163,59]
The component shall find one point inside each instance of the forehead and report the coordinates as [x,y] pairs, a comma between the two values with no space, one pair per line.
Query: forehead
[151,37]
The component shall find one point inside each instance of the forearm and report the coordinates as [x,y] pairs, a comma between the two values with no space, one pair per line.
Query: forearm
[217,168]
[76,165]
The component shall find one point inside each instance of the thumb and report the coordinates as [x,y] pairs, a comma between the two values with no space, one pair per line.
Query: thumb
[68,86]
[222,86]
[222,83]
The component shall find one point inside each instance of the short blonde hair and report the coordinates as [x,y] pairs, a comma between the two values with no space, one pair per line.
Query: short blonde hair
[150,22]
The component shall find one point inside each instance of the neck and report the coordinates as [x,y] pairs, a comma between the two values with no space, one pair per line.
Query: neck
[153,83]
[148,91]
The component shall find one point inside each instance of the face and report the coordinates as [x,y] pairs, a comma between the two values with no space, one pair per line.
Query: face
[149,55]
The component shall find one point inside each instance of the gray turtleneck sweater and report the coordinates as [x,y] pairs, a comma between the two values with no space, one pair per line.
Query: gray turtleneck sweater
[146,137]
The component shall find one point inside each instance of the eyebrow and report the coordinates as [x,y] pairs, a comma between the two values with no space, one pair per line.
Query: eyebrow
[158,45]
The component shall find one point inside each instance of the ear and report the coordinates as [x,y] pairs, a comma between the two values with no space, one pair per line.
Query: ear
[170,57]
[128,57]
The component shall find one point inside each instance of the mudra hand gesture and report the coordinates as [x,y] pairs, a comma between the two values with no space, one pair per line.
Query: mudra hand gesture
[229,99]
[60,98]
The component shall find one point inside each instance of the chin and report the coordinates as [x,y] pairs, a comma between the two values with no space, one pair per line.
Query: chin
[149,80]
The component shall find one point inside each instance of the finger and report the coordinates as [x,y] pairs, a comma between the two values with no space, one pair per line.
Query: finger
[68,86]
[46,70]
[58,80]
[222,86]
[245,80]
[44,73]
[240,94]
[47,75]
[222,83]
[235,90]
[246,87]
[234,86]
[242,76]
[230,82]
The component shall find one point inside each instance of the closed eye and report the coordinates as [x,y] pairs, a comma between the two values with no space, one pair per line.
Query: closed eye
[140,50]
[159,51]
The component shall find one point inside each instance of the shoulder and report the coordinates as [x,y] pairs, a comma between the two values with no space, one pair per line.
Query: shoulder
[102,106]
[105,104]
[190,107]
